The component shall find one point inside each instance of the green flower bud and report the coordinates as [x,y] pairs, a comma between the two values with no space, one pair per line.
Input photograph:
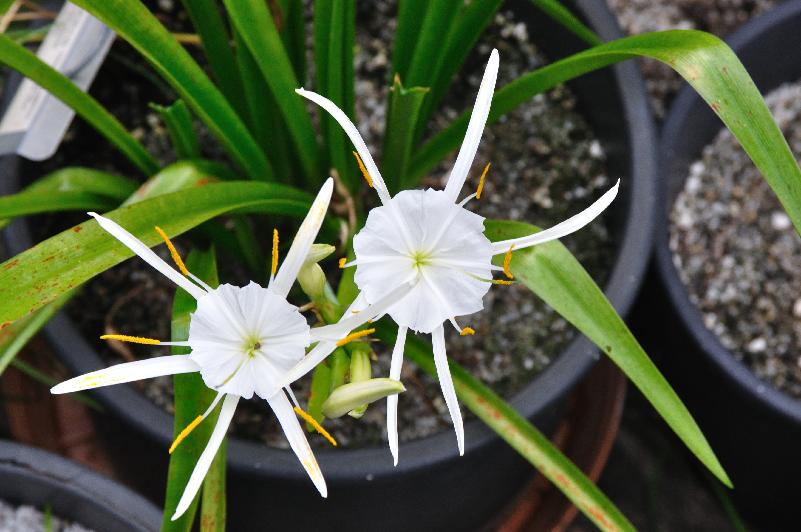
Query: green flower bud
[311,277]
[355,394]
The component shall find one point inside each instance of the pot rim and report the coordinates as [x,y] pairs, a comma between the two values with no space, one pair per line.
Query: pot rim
[747,38]
[545,390]
[56,474]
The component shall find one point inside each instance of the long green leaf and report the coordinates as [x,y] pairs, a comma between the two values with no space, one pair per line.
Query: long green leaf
[192,398]
[705,61]
[293,35]
[551,272]
[264,117]
[80,179]
[563,16]
[468,27]
[404,108]
[253,21]
[179,124]
[26,203]
[335,88]
[26,63]
[521,435]
[428,52]
[132,21]
[39,275]
[14,337]
[208,22]
[410,13]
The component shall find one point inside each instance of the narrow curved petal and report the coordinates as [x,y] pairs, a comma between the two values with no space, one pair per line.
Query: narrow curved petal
[303,241]
[297,440]
[392,401]
[478,119]
[204,462]
[354,136]
[309,362]
[446,384]
[339,330]
[147,254]
[128,372]
[571,225]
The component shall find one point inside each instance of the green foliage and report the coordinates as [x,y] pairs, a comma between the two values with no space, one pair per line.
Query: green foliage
[192,398]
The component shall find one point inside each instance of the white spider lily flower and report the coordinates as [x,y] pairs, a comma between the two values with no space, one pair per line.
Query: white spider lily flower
[428,238]
[243,341]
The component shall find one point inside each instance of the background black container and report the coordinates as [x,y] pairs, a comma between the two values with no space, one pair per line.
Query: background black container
[37,478]
[432,488]
[754,428]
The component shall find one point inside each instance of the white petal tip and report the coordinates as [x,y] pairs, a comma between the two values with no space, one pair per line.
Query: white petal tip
[494,55]
[58,389]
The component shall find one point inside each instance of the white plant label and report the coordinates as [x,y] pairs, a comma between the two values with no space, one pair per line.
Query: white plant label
[35,121]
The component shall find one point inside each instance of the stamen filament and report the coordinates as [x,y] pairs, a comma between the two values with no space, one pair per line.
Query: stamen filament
[507,260]
[131,339]
[354,336]
[274,264]
[467,331]
[173,252]
[184,433]
[313,422]
[364,171]
[481,181]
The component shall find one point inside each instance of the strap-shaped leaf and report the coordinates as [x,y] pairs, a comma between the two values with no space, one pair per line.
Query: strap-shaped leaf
[26,63]
[521,435]
[255,25]
[705,61]
[132,21]
[551,272]
[39,275]
[192,398]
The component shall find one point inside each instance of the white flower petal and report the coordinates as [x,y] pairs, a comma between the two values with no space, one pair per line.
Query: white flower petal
[303,241]
[339,330]
[297,439]
[147,254]
[127,372]
[450,244]
[204,462]
[570,225]
[354,136]
[309,362]
[475,128]
[392,401]
[446,384]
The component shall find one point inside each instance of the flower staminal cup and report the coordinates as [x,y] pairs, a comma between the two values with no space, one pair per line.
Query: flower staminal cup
[244,340]
[428,239]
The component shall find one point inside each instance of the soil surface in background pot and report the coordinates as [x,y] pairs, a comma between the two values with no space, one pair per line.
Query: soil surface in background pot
[719,17]
[547,166]
[739,255]
[29,519]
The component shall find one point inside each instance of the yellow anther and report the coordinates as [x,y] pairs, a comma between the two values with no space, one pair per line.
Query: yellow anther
[501,281]
[342,262]
[364,171]
[184,433]
[173,252]
[313,422]
[467,331]
[507,260]
[354,336]
[131,339]
[481,181]
[274,264]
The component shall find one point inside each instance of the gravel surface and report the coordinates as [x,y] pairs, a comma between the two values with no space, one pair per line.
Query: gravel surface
[29,519]
[719,17]
[547,165]
[738,253]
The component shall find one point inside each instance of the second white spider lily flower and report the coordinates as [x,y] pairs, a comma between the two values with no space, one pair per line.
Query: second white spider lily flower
[428,238]
[243,341]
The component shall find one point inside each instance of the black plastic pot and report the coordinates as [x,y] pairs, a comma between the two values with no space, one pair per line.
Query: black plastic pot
[37,478]
[754,428]
[432,488]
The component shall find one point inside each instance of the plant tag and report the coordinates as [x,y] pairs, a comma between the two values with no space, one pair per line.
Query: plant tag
[35,121]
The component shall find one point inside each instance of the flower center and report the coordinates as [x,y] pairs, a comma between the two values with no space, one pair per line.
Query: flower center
[251,347]
[420,259]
